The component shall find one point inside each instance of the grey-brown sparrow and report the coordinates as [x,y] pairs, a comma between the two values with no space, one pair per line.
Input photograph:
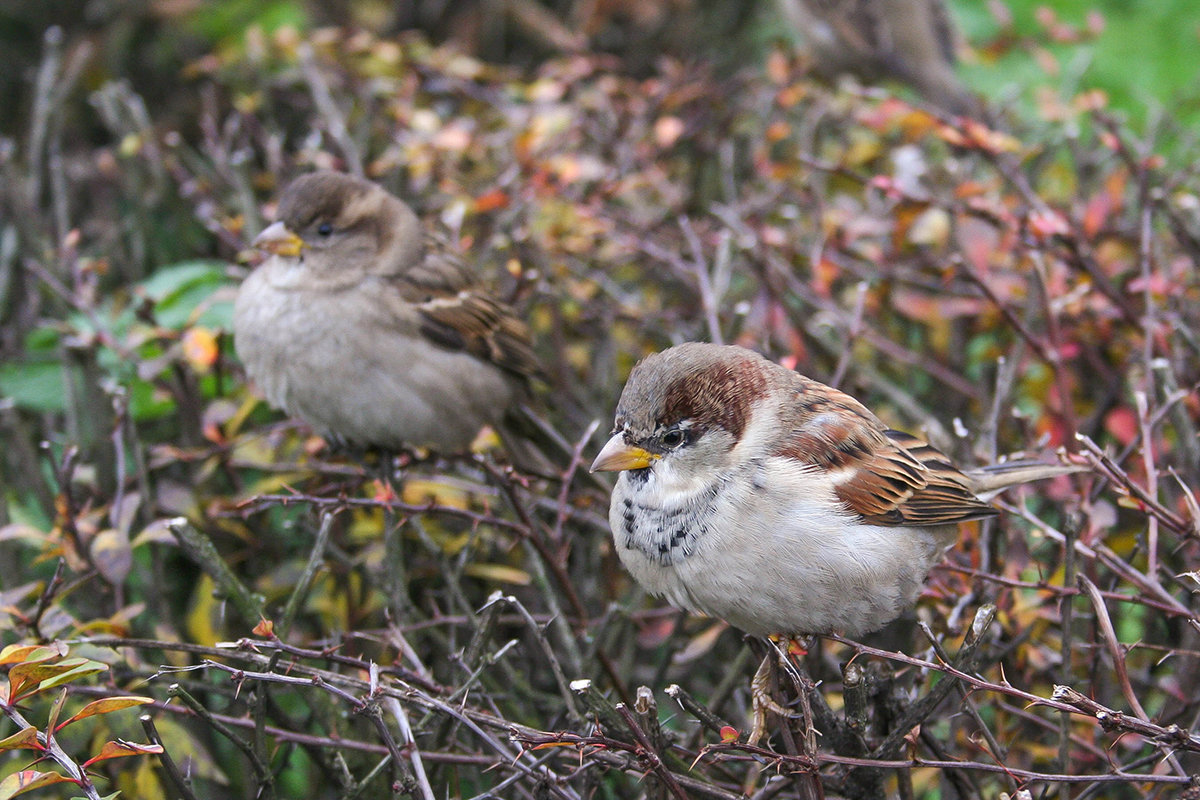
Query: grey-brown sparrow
[913,41]
[356,325]
[751,493]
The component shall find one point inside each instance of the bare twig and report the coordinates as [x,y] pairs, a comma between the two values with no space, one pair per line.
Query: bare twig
[331,114]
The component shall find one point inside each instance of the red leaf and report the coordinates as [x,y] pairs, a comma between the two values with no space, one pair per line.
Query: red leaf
[490,201]
[1122,424]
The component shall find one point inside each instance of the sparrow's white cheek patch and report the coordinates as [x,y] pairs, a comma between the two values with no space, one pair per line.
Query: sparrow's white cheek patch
[840,476]
[762,429]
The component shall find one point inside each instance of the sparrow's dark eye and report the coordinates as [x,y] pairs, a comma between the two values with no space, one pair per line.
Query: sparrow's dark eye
[325,229]
[673,439]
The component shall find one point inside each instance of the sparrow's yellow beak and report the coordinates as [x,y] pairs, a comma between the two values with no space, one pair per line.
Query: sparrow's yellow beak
[616,455]
[279,240]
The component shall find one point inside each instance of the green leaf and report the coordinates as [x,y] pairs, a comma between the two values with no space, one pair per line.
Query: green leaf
[183,295]
[166,284]
[34,386]
[88,667]
[229,20]
[33,678]
[147,402]
[56,711]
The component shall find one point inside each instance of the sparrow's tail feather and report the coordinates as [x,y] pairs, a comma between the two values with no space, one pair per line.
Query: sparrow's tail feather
[986,482]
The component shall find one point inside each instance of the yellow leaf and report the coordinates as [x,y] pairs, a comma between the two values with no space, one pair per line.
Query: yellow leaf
[272,484]
[24,653]
[205,610]
[142,783]
[931,228]
[420,492]
[130,145]
[104,706]
[498,573]
[864,147]
[200,348]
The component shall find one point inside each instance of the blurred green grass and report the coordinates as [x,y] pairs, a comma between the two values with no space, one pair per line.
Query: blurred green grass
[1146,58]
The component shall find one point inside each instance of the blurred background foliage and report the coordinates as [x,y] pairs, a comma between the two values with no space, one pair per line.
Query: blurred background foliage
[628,175]
[1141,53]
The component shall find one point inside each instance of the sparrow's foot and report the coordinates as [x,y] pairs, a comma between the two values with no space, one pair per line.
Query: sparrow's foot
[761,700]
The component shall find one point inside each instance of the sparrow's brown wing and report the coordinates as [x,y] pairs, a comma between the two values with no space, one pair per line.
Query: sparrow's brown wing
[946,497]
[885,476]
[454,314]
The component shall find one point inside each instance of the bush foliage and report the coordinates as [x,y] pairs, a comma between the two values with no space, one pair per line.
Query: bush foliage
[303,628]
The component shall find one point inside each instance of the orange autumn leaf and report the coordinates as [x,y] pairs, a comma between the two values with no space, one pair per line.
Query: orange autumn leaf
[123,749]
[105,705]
[777,131]
[200,348]
[492,200]
[27,780]
[26,738]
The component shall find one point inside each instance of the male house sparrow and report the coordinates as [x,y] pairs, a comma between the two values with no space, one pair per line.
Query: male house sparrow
[356,326]
[751,493]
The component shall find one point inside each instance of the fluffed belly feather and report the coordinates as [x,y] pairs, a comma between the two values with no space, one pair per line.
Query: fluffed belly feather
[321,360]
[807,567]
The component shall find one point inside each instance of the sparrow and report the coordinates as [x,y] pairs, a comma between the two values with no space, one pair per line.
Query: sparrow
[912,41]
[358,325]
[751,493]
